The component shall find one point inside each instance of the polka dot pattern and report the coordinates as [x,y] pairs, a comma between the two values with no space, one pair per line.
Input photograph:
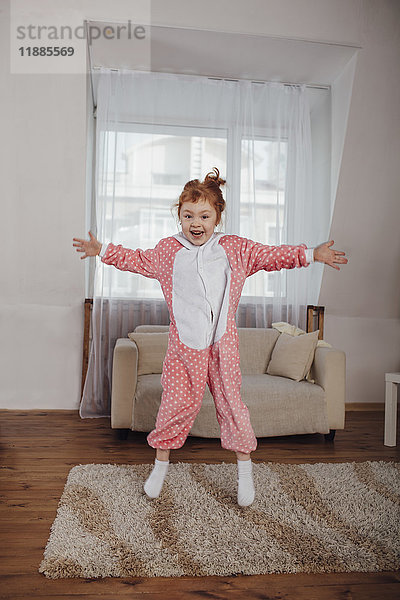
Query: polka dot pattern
[186,371]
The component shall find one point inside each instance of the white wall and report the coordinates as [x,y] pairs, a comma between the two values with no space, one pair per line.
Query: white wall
[43,122]
[43,125]
[363,300]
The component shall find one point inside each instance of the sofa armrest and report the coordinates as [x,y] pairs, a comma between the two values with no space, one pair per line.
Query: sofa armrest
[329,371]
[124,380]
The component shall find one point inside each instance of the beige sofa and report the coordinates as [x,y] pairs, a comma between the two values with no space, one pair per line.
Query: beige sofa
[278,405]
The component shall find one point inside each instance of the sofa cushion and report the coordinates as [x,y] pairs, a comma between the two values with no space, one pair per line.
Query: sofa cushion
[277,405]
[152,348]
[281,406]
[292,357]
[255,347]
[293,330]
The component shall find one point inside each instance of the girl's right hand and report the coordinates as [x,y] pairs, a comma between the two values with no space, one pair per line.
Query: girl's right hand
[90,247]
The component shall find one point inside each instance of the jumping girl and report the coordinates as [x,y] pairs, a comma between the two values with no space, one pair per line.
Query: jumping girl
[202,274]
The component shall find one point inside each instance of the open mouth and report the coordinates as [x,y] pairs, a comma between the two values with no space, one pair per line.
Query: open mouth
[197,234]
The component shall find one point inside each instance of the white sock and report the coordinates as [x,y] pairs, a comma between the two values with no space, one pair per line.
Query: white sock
[154,482]
[246,492]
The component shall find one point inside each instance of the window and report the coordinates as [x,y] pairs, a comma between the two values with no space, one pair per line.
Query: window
[138,202]
[260,139]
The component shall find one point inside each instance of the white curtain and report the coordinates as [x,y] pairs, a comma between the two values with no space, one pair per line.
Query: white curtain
[154,132]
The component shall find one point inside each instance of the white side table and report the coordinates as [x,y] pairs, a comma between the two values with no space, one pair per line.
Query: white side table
[392,381]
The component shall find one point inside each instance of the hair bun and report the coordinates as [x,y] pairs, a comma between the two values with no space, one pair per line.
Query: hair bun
[214,177]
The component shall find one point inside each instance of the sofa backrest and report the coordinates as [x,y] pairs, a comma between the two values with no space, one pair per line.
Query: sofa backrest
[151,328]
[255,346]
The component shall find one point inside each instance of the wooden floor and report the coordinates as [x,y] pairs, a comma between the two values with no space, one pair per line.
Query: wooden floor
[39,448]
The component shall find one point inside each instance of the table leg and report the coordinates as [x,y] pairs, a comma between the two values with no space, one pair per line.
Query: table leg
[390,413]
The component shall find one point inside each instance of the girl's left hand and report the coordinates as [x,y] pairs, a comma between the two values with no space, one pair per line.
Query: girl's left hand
[325,254]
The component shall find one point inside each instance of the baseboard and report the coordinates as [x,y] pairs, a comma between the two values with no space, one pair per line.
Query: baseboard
[365,406]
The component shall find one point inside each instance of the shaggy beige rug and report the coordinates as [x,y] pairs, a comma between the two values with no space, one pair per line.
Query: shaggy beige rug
[309,518]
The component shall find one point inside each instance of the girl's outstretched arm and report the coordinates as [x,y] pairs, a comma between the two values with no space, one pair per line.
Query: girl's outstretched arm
[144,262]
[90,247]
[325,254]
[254,256]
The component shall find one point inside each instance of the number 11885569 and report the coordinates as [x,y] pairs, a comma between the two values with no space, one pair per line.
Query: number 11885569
[46,50]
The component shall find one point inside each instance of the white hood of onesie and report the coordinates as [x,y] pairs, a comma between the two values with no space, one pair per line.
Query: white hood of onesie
[200,291]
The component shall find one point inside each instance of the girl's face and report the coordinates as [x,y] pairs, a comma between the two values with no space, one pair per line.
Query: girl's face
[198,221]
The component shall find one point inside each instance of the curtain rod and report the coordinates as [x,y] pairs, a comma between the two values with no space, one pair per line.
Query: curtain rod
[318,86]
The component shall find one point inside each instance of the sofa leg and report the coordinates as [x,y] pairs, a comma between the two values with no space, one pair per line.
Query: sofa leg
[122,434]
[329,437]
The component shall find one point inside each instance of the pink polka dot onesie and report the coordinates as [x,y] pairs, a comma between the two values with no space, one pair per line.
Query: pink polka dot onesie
[202,287]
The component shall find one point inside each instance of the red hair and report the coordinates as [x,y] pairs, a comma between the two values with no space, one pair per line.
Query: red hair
[209,189]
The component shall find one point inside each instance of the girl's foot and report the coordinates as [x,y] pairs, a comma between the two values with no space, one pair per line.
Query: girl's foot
[154,482]
[246,492]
